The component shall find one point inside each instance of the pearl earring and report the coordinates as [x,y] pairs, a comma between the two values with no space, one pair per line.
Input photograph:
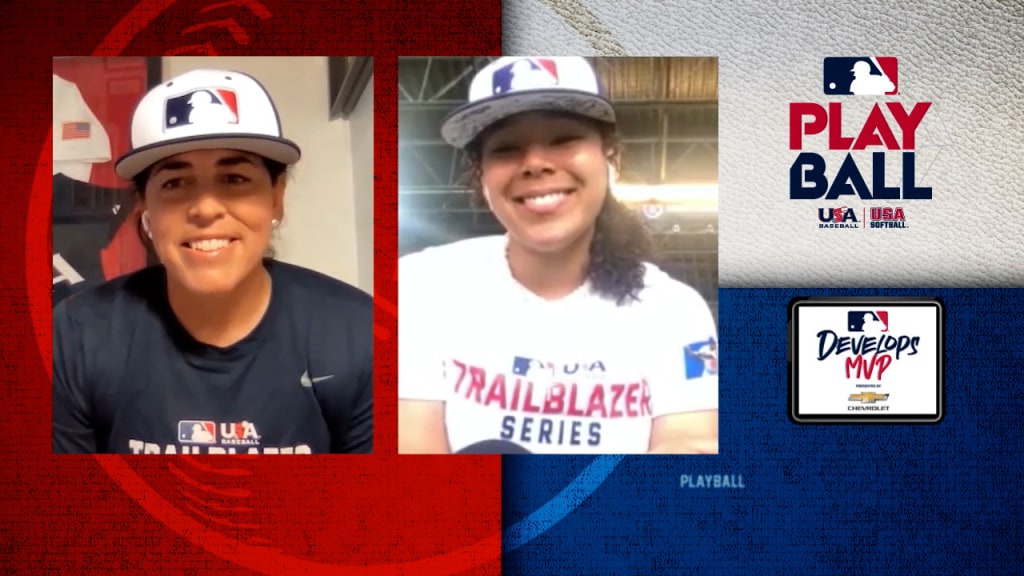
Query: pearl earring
[274,222]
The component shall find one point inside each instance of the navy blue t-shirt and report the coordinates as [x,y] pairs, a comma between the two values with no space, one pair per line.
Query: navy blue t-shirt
[128,378]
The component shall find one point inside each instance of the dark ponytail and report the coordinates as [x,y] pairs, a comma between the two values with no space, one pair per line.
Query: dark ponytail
[618,250]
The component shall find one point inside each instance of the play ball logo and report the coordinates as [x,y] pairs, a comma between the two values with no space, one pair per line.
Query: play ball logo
[861,76]
[873,161]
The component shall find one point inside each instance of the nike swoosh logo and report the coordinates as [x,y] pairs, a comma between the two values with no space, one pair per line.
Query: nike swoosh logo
[308,382]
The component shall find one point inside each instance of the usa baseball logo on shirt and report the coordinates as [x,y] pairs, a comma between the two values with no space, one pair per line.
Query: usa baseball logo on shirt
[209,437]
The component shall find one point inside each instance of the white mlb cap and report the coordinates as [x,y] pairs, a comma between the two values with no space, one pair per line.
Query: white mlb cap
[512,85]
[205,110]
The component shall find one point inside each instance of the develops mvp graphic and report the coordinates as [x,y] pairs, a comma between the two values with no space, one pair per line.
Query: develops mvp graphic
[887,132]
[868,349]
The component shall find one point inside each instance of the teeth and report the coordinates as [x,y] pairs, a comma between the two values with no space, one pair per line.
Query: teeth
[209,245]
[545,199]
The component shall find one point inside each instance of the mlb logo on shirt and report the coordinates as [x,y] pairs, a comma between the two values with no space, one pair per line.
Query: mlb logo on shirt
[861,76]
[525,74]
[206,106]
[197,432]
[522,366]
[701,359]
[869,321]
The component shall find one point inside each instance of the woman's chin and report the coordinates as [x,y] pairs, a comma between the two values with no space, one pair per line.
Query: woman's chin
[208,282]
[548,239]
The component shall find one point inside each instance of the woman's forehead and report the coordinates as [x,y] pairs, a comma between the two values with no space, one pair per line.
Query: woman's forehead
[215,157]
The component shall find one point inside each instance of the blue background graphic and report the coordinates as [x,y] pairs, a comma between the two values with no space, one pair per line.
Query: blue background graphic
[900,499]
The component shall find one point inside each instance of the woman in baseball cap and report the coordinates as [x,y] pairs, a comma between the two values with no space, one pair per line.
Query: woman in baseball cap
[218,348]
[558,336]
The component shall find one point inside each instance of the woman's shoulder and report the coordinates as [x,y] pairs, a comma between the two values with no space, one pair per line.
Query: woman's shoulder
[119,297]
[439,261]
[662,291]
[315,288]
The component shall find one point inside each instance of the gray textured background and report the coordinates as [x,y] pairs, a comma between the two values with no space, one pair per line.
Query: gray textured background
[964,57]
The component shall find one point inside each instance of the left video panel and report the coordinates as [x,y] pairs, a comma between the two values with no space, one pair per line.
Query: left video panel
[211,255]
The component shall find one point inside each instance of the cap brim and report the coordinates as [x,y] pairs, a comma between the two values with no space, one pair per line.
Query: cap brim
[277,149]
[468,121]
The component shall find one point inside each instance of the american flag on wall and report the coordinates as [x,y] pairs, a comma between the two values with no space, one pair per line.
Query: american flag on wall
[73,130]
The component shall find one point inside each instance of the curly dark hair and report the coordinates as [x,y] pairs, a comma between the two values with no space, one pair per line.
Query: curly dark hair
[621,242]
[276,169]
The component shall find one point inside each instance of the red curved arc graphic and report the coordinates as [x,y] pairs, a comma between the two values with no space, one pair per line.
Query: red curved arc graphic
[269,561]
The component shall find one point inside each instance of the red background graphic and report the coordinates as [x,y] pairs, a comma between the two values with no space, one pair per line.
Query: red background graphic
[379,514]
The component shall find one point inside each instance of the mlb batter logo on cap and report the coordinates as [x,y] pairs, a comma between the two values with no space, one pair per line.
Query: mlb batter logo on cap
[515,85]
[205,110]
[524,74]
[861,76]
[206,106]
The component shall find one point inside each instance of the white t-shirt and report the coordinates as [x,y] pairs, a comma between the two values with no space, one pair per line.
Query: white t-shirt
[79,139]
[579,375]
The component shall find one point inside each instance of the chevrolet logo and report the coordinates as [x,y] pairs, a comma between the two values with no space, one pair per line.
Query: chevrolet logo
[868,397]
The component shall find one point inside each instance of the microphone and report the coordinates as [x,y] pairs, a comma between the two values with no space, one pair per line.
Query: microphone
[494,447]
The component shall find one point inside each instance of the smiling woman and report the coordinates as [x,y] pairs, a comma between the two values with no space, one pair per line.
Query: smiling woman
[217,349]
[558,336]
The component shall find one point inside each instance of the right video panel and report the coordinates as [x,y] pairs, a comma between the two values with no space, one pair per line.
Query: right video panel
[558,241]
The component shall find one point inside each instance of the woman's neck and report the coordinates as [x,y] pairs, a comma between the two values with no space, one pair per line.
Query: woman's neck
[551,275]
[222,319]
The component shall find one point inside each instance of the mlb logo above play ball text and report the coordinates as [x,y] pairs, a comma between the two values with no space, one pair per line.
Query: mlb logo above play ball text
[524,74]
[206,106]
[861,76]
